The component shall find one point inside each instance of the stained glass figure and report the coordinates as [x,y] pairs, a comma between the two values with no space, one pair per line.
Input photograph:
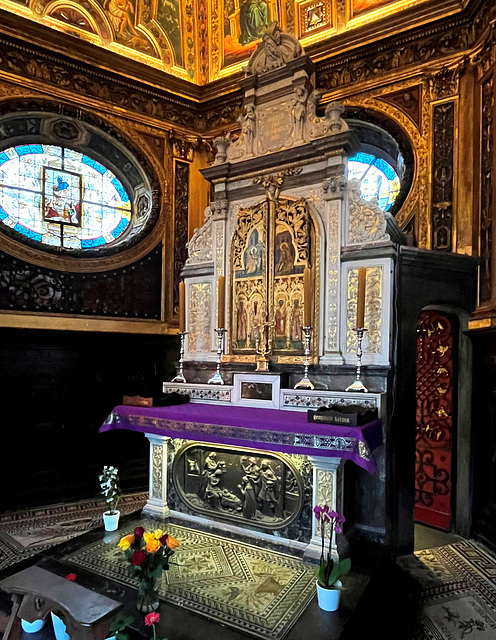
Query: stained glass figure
[378,178]
[61,197]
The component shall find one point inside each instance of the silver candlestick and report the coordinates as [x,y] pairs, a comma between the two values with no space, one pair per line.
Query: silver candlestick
[305,382]
[180,376]
[358,384]
[217,378]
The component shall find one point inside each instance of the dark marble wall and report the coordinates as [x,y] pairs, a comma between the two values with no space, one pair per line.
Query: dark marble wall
[484,437]
[56,389]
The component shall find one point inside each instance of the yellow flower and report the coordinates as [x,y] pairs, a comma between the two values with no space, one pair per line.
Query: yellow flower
[126,542]
[172,543]
[153,545]
[148,536]
[158,533]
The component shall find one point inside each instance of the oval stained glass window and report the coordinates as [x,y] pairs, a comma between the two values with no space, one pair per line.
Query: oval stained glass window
[61,198]
[378,178]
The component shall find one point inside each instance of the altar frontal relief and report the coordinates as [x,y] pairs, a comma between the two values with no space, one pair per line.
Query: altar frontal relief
[263,488]
[268,288]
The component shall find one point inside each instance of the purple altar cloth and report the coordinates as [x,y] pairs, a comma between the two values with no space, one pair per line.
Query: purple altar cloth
[269,429]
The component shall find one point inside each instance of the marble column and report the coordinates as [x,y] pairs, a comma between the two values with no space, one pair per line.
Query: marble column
[324,493]
[157,501]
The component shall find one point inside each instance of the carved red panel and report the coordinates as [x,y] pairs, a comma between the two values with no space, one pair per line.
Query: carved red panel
[434,420]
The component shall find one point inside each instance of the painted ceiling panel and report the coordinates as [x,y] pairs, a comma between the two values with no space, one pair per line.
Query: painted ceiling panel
[201,40]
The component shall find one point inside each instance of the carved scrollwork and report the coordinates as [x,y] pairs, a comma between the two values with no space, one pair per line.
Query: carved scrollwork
[273,183]
[249,218]
[200,246]
[445,83]
[334,187]
[296,217]
[367,221]
[275,50]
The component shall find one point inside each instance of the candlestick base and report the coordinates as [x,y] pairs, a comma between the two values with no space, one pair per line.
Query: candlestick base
[179,378]
[180,374]
[262,364]
[304,383]
[357,386]
[217,378]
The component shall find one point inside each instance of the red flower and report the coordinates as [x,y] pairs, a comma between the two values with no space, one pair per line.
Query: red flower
[152,618]
[138,558]
[138,533]
[163,539]
[71,577]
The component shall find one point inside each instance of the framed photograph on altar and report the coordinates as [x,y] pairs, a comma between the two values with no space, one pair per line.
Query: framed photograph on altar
[257,390]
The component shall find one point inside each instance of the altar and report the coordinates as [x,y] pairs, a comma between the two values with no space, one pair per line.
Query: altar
[245,466]
[297,294]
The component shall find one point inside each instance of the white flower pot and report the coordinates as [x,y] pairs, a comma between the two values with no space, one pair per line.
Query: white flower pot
[59,628]
[32,627]
[329,598]
[111,520]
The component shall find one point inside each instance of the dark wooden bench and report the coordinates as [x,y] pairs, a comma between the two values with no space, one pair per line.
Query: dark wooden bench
[36,592]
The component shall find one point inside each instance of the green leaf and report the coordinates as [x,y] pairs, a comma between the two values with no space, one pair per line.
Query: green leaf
[157,572]
[340,569]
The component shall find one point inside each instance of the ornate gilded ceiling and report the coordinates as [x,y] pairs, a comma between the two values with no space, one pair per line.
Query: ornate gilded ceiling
[203,40]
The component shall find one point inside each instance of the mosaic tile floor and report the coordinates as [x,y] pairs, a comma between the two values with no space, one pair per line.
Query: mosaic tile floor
[258,591]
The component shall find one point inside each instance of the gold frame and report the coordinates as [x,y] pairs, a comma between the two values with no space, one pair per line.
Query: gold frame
[268,278]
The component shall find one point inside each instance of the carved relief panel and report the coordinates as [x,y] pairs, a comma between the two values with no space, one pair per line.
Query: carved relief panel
[242,485]
[271,246]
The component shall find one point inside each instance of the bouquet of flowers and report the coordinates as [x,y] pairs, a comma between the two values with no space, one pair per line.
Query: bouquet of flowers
[148,553]
[330,571]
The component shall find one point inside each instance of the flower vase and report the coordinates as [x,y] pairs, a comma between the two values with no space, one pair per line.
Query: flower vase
[148,599]
[111,520]
[329,598]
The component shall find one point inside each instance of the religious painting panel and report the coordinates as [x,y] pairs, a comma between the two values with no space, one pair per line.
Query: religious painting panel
[150,32]
[291,256]
[123,16]
[434,389]
[359,7]
[244,22]
[268,288]
[365,10]
[169,18]
[241,485]
[249,267]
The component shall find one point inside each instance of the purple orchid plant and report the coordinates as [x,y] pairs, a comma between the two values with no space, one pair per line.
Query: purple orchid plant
[330,571]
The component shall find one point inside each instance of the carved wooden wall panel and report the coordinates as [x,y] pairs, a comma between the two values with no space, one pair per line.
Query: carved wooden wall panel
[433,474]
[487,186]
[131,292]
[443,122]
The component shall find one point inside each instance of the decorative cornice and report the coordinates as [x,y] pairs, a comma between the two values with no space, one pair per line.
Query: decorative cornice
[215,107]
[422,45]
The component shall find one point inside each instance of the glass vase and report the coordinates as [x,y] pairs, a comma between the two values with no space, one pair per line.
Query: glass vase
[148,599]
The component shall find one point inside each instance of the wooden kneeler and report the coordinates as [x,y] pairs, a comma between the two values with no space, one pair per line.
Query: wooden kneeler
[36,592]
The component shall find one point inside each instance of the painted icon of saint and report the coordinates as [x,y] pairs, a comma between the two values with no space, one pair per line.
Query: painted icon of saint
[285,262]
[280,319]
[296,322]
[253,18]
[242,325]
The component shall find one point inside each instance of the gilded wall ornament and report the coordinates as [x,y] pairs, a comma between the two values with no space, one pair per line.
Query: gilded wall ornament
[373,310]
[199,317]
